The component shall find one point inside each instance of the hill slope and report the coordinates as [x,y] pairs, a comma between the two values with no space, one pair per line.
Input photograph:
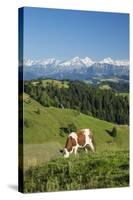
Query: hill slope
[42,139]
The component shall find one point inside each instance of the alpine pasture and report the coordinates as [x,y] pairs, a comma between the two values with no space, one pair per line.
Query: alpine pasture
[45,169]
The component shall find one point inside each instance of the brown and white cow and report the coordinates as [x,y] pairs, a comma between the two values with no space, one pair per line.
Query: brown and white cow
[80,139]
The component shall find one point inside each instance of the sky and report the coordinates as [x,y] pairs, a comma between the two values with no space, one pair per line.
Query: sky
[64,34]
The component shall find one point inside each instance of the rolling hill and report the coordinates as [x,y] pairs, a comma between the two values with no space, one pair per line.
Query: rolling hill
[42,138]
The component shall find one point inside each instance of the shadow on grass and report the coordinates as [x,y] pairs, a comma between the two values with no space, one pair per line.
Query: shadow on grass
[108,132]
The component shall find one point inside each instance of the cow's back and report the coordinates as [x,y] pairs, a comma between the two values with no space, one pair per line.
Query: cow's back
[84,136]
[81,137]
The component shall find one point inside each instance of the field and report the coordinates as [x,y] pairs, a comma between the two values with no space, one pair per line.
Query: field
[43,161]
[124,94]
[104,170]
[105,87]
[60,84]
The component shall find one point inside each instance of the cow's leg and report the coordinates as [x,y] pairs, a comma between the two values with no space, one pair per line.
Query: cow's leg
[91,146]
[75,150]
[86,150]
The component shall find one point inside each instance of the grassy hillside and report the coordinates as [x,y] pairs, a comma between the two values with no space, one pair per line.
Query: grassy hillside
[58,83]
[100,103]
[42,139]
[99,170]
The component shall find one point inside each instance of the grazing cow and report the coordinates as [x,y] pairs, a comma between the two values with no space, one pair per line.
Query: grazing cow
[80,139]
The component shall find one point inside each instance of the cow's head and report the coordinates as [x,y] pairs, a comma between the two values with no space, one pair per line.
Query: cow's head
[65,152]
[70,143]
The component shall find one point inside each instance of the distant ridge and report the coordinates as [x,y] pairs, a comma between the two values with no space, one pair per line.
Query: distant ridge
[75,68]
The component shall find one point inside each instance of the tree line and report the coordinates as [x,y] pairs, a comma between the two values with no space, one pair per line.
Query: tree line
[88,99]
[117,87]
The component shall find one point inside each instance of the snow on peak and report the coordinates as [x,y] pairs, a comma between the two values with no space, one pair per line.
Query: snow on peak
[28,62]
[107,60]
[88,61]
[47,61]
[76,61]
[121,62]
[43,62]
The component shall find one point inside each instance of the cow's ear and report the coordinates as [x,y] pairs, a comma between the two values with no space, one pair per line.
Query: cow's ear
[61,150]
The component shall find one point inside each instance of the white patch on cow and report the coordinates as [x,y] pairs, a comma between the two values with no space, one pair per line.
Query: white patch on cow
[74,136]
[86,131]
[75,149]
[88,139]
[87,135]
[66,153]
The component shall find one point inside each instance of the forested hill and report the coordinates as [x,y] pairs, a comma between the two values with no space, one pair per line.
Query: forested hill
[103,104]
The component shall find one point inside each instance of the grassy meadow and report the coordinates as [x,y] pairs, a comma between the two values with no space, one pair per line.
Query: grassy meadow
[44,166]
[99,170]
[59,84]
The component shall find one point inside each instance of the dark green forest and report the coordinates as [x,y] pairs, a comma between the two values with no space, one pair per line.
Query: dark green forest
[117,87]
[88,99]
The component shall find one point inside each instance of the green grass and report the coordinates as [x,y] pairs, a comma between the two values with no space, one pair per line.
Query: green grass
[45,169]
[99,170]
[60,84]
[123,94]
[36,154]
[112,79]
[42,140]
[105,87]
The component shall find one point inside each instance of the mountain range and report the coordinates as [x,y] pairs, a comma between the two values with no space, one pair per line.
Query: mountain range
[75,68]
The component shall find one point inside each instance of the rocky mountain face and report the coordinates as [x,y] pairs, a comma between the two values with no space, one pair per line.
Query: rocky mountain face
[75,68]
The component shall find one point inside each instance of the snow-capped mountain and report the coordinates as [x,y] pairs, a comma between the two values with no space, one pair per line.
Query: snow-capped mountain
[87,61]
[28,62]
[69,65]
[75,68]
[42,62]
[76,61]
[48,61]
[110,61]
